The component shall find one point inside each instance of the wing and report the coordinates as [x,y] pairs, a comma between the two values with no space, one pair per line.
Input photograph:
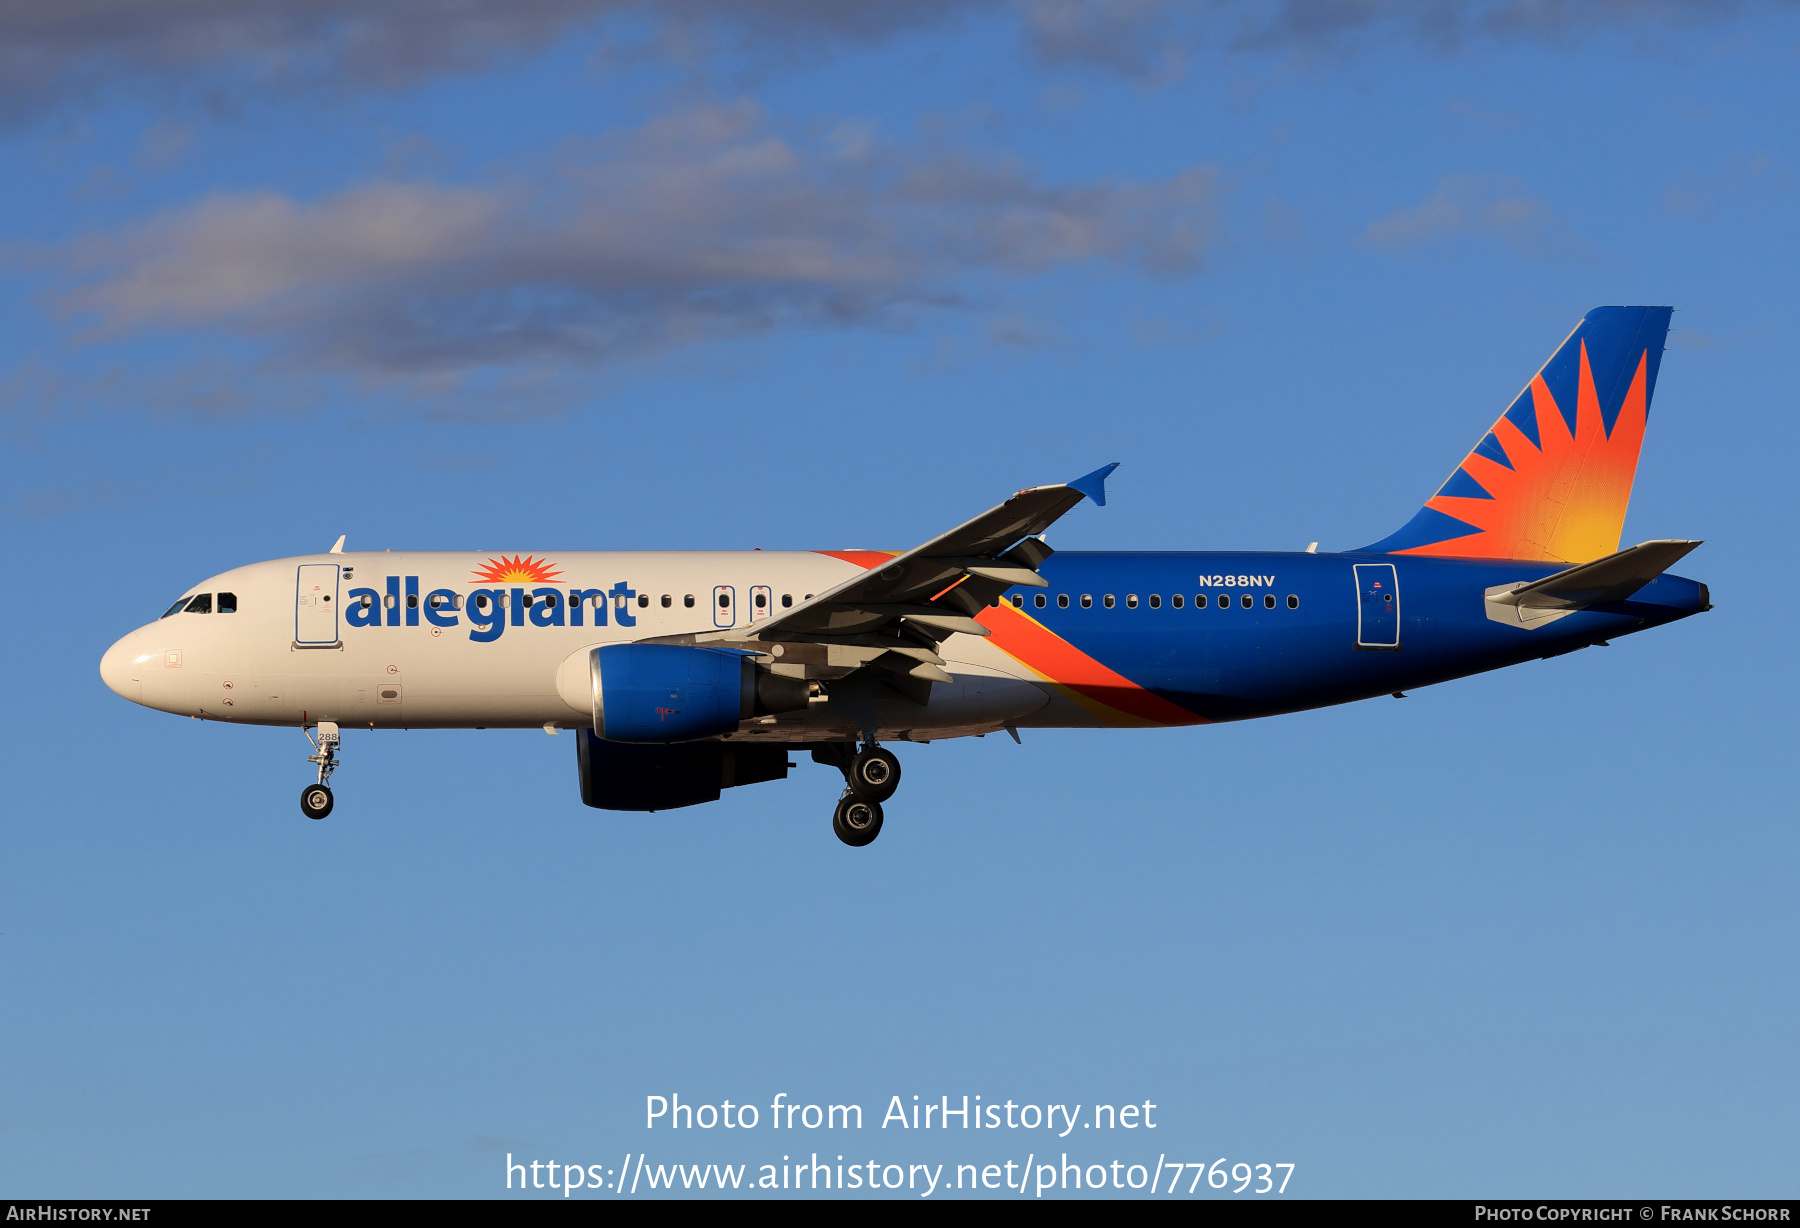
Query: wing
[895,616]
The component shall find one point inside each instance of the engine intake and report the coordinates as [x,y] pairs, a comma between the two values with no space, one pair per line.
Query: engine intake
[664,693]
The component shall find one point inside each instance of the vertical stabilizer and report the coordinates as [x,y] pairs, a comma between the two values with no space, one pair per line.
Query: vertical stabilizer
[1552,479]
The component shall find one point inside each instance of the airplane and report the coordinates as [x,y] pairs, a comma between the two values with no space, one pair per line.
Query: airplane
[687,673]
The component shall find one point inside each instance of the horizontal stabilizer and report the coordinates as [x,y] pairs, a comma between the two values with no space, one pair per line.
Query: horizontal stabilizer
[1613,578]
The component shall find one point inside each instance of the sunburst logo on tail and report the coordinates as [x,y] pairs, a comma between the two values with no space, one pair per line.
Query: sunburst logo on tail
[1551,481]
[1560,500]
[516,570]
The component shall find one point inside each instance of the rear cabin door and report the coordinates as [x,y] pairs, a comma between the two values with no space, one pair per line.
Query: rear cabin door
[1377,606]
[316,604]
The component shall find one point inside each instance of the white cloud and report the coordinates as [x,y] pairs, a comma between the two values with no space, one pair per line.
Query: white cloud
[701,224]
[1486,206]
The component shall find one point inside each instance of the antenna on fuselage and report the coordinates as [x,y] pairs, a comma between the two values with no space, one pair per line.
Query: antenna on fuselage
[1311,547]
[339,547]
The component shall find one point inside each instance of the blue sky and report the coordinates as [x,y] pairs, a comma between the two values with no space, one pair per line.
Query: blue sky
[593,275]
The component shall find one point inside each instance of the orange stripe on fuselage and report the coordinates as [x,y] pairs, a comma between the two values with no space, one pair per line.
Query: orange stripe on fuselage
[1105,693]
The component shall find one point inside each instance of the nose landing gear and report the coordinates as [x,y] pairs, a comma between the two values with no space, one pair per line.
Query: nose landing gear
[315,800]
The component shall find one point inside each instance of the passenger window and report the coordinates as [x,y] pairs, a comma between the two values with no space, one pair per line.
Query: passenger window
[1040,601]
[787,601]
[1268,601]
[1062,601]
[724,601]
[1224,601]
[1199,601]
[688,600]
[1087,601]
[1155,601]
[644,602]
[200,605]
[1293,602]
[412,601]
[1107,601]
[228,603]
[1248,600]
[761,600]
[1131,601]
[390,601]
[667,601]
[1018,601]
[1175,601]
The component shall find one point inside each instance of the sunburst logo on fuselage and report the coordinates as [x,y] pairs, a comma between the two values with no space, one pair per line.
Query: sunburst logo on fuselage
[517,570]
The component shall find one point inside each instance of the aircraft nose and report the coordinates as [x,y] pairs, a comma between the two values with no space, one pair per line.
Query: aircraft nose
[122,669]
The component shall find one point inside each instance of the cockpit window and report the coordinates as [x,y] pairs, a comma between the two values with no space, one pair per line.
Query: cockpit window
[228,603]
[176,608]
[201,604]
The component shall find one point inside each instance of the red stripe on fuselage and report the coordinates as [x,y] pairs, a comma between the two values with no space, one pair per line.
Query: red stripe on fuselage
[862,558]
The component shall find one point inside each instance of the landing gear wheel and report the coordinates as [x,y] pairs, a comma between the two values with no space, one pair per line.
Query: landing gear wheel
[855,821]
[874,774]
[315,801]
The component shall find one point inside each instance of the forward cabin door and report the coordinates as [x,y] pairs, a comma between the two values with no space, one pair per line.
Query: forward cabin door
[1377,606]
[316,604]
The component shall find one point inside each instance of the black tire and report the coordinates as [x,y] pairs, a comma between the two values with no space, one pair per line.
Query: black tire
[315,801]
[856,821]
[875,774]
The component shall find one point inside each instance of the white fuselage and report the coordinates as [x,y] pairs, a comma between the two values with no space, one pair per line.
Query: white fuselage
[371,640]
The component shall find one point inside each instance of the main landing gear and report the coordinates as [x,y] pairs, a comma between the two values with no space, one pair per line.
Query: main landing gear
[855,821]
[870,778]
[315,800]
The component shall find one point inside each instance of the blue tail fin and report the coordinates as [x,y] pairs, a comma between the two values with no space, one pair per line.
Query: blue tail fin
[1552,479]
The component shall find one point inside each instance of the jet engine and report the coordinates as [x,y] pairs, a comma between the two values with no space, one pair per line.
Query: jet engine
[619,776]
[666,693]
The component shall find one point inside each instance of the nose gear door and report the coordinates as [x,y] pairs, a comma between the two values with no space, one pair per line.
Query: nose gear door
[1377,606]
[316,604]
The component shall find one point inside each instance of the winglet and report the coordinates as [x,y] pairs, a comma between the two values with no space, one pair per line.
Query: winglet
[1093,485]
[339,547]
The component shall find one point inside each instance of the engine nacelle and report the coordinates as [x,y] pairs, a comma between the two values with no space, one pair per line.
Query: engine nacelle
[619,776]
[665,693]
